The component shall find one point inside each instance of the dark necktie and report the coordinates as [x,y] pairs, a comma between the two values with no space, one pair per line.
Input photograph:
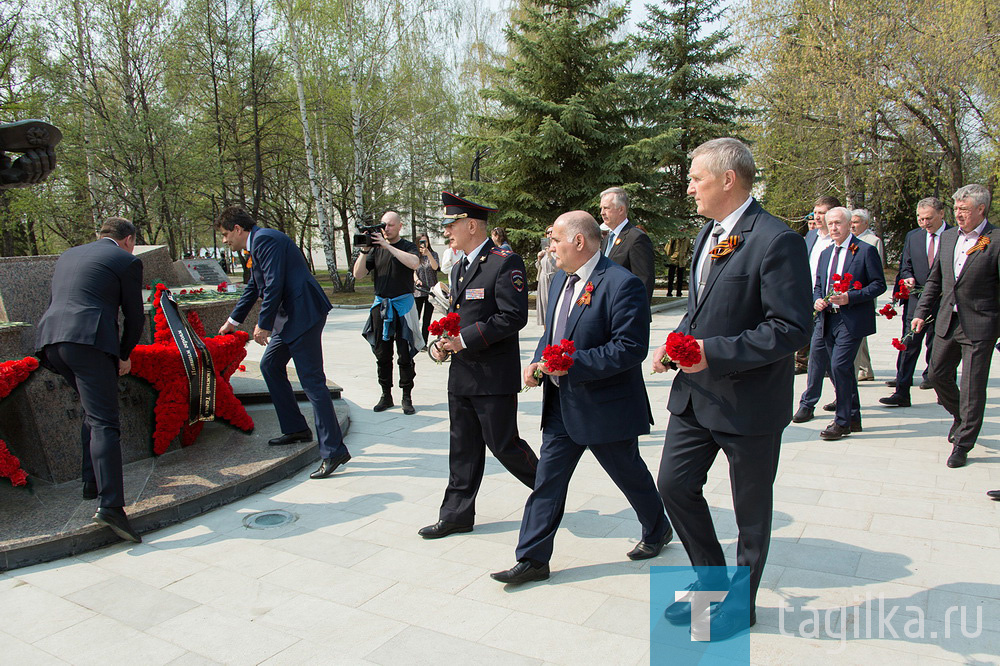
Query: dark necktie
[931,250]
[706,262]
[567,302]
[611,243]
[833,267]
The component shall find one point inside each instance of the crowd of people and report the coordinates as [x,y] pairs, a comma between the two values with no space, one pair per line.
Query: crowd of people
[759,295]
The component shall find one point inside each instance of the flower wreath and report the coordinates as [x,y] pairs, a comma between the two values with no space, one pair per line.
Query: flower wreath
[12,374]
[160,365]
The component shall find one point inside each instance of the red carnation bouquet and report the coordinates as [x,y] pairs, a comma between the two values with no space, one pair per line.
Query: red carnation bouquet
[555,358]
[888,311]
[10,466]
[448,326]
[902,343]
[13,373]
[841,284]
[683,351]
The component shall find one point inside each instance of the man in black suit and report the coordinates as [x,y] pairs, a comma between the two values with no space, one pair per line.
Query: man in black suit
[964,288]
[817,240]
[292,315]
[844,319]
[489,292]
[600,403]
[920,249]
[78,338]
[749,315]
[626,244]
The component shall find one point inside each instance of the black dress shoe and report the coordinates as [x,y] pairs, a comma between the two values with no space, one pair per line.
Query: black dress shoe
[895,400]
[803,414]
[292,438]
[830,407]
[116,519]
[993,494]
[408,405]
[801,370]
[329,466]
[856,426]
[891,383]
[384,403]
[954,430]
[442,528]
[645,551]
[835,431]
[722,623]
[925,385]
[89,490]
[958,457]
[522,572]
[679,612]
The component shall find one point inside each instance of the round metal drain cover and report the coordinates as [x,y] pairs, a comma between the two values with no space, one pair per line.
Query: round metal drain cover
[263,520]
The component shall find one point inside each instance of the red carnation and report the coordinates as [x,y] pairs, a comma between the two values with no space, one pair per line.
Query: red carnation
[222,286]
[903,292]
[683,349]
[10,466]
[888,311]
[898,345]
[857,285]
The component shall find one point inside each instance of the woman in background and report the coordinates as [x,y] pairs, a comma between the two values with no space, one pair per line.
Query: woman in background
[546,265]
[499,236]
[426,276]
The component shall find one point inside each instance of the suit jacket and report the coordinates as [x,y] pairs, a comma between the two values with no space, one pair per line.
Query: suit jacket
[292,301]
[865,266]
[634,251]
[755,313]
[976,292]
[603,397]
[90,284]
[492,301]
[811,237]
[913,263]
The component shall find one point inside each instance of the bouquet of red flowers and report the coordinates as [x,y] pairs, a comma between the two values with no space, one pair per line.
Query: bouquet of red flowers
[841,284]
[901,344]
[683,351]
[10,466]
[448,326]
[555,358]
[888,311]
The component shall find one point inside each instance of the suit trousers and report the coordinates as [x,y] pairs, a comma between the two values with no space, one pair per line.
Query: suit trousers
[94,375]
[906,362]
[479,422]
[968,404]
[383,355]
[559,457]
[863,362]
[689,449]
[818,360]
[307,352]
[842,348]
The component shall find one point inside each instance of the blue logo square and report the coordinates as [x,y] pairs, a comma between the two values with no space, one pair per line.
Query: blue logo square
[707,591]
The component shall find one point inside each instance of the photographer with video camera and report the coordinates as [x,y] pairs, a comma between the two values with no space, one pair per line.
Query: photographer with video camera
[393,317]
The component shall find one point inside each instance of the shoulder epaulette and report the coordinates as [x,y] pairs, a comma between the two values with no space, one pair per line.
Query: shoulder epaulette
[501,252]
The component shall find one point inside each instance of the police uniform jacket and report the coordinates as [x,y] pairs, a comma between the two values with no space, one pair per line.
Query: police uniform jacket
[492,301]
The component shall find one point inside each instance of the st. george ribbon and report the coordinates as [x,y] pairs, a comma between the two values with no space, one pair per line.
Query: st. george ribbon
[197,362]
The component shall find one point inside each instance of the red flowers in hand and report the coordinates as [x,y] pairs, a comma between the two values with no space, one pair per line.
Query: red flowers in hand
[898,344]
[902,292]
[843,283]
[888,311]
[683,349]
[557,358]
[448,326]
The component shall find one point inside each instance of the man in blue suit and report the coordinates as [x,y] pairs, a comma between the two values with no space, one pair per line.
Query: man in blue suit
[292,315]
[600,403]
[846,318]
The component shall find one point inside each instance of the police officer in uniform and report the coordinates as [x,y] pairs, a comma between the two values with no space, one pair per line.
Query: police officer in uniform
[489,292]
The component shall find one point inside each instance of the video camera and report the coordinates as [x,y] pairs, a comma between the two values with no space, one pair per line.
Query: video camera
[364,236]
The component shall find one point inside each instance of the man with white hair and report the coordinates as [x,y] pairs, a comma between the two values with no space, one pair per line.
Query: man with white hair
[626,244]
[860,227]
[964,288]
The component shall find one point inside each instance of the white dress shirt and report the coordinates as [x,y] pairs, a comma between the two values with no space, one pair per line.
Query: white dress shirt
[727,229]
[584,272]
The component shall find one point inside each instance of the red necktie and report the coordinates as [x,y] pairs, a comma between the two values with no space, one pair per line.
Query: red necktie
[931,253]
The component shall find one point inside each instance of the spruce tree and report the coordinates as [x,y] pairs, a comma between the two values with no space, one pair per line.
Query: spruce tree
[684,87]
[563,126]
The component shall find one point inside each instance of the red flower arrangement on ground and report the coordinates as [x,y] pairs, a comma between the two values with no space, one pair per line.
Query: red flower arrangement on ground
[13,373]
[160,364]
[555,358]
[682,350]
[223,287]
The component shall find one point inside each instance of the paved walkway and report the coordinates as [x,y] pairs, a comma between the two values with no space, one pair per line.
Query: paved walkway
[350,582]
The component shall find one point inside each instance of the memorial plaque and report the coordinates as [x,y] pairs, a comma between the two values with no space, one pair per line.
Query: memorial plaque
[206,271]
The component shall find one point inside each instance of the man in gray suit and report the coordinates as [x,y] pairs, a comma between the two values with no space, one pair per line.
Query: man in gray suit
[963,289]
[78,338]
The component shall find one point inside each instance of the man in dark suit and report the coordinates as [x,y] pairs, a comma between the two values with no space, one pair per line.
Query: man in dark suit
[489,293]
[626,244]
[964,288]
[293,312]
[817,240]
[844,319]
[749,318]
[600,403]
[78,338]
[920,249]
